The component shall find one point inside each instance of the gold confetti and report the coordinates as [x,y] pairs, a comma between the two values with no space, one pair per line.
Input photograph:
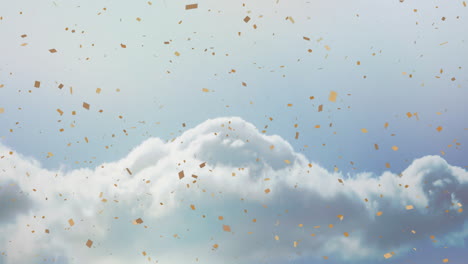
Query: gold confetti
[395,148]
[409,207]
[89,243]
[379,213]
[439,128]
[52,50]
[2,110]
[37,84]
[363,130]
[226,228]
[86,106]
[246,19]
[71,222]
[446,260]
[138,221]
[276,238]
[332,96]
[181,175]
[192,207]
[123,46]
[387,255]
[191,6]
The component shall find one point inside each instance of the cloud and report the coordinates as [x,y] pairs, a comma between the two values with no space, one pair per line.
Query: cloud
[277,204]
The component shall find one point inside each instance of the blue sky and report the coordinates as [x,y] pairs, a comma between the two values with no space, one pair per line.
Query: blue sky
[383,59]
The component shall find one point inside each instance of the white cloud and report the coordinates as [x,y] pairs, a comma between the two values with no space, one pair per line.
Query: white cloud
[233,184]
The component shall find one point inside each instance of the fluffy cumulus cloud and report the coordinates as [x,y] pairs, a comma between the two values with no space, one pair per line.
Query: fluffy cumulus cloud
[255,200]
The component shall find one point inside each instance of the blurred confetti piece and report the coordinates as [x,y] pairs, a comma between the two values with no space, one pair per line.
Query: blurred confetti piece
[86,106]
[276,238]
[226,228]
[89,243]
[439,128]
[287,161]
[37,84]
[445,260]
[181,175]
[409,207]
[191,6]
[379,213]
[246,19]
[71,222]
[2,110]
[123,46]
[98,90]
[52,50]
[332,96]
[138,221]
[192,207]
[387,255]
[395,148]
[363,130]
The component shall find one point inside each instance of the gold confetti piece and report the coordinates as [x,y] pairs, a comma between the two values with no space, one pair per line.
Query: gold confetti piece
[379,213]
[47,231]
[89,243]
[177,54]
[86,139]
[443,43]
[387,255]
[330,226]
[376,147]
[291,19]
[86,106]
[60,86]
[143,253]
[226,228]
[363,130]
[290,105]
[60,111]
[246,19]
[464,3]
[2,110]
[332,96]
[181,175]
[205,90]
[276,238]
[138,221]
[346,234]
[439,128]
[320,108]
[202,165]
[71,222]
[192,207]
[52,50]
[138,19]
[128,170]
[191,6]
[215,246]
[327,47]
[386,125]
[395,148]
[306,38]
[98,90]
[287,161]
[387,165]
[24,44]
[50,154]
[341,217]
[267,191]
[123,46]
[295,243]
[446,260]
[37,84]
[244,84]
[409,207]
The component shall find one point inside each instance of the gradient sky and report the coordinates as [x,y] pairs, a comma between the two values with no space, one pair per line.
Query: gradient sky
[384,59]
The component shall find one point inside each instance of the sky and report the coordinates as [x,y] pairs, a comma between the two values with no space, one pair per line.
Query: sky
[330,131]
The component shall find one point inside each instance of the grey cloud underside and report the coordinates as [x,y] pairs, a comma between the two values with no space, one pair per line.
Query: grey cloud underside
[238,159]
